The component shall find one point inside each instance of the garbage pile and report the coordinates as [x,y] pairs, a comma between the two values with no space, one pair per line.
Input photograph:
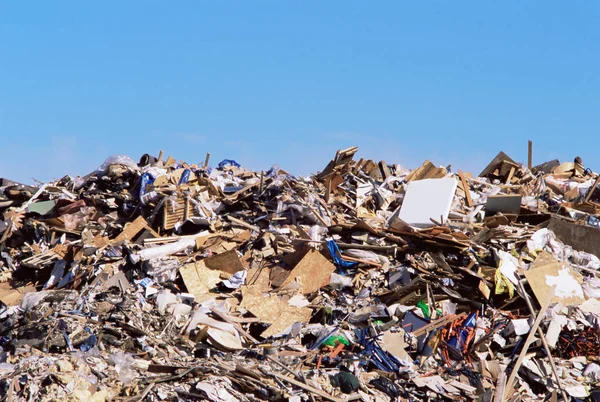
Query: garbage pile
[166,281]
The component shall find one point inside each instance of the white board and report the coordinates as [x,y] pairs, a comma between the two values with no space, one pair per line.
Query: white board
[428,198]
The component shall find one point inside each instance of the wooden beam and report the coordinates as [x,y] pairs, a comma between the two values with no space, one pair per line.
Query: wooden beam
[529,154]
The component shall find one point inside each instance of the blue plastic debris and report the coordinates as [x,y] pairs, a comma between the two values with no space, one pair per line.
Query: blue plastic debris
[146,180]
[228,162]
[336,256]
[90,342]
[185,177]
[375,354]
[457,343]
[145,282]
[62,327]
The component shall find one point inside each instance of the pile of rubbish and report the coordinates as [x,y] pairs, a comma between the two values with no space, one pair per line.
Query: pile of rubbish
[160,280]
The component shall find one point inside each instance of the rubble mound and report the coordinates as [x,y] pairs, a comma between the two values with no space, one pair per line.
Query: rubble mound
[161,280]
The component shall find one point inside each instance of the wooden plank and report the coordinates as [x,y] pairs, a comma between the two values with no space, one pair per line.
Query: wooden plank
[466,187]
[426,171]
[241,223]
[385,172]
[529,154]
[510,175]
[592,189]
[131,230]
[227,319]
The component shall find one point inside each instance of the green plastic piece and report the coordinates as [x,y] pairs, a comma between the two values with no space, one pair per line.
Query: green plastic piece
[424,308]
[336,339]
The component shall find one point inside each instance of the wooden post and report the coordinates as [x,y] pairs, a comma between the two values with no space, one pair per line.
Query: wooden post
[544,342]
[206,160]
[529,154]
[262,182]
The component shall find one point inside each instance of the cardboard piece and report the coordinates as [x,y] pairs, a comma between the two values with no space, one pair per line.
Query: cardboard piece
[313,272]
[547,272]
[118,280]
[223,340]
[393,343]
[565,167]
[13,296]
[504,204]
[427,199]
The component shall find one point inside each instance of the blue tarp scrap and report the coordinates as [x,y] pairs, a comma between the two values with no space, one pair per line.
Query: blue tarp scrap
[228,162]
[336,256]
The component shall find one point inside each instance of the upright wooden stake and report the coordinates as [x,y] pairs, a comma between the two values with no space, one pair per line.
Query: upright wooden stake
[511,380]
[530,155]
[544,342]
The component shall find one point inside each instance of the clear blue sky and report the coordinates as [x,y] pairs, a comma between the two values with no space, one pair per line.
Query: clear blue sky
[290,82]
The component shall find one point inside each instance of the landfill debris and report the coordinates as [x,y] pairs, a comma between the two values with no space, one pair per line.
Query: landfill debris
[172,281]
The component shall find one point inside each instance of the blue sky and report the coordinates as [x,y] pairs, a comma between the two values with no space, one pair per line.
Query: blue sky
[290,82]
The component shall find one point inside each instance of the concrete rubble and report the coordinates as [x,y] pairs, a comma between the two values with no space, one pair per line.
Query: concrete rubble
[161,280]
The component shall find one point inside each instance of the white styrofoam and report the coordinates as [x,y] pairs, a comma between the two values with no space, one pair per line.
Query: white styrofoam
[425,199]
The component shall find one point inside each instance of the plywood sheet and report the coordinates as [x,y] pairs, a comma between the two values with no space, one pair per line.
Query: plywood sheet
[547,272]
[270,309]
[198,278]
[287,319]
[228,262]
[313,272]
[131,229]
